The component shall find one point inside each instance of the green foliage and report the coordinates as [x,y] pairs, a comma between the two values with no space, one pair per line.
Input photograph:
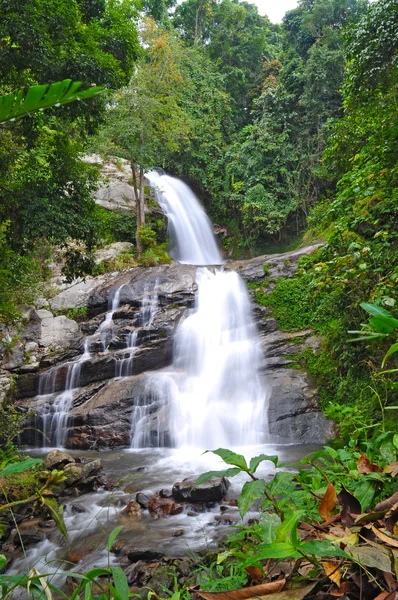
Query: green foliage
[113,226]
[19,276]
[307,494]
[290,301]
[39,97]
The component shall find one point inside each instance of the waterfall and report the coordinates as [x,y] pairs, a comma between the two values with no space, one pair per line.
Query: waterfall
[55,416]
[212,395]
[189,227]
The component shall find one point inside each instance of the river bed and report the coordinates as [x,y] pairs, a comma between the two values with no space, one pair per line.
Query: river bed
[91,517]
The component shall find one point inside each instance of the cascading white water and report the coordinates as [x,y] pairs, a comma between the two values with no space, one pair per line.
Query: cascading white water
[189,226]
[105,329]
[213,395]
[54,420]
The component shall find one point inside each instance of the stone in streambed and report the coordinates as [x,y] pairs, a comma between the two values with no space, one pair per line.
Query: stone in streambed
[56,459]
[144,555]
[79,473]
[142,500]
[159,506]
[213,490]
[133,509]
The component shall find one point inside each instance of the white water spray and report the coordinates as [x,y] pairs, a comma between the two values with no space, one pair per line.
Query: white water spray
[212,395]
[189,226]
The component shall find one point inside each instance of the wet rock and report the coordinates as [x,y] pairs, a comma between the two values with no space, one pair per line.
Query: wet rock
[74,556]
[228,517]
[144,556]
[143,500]
[164,506]
[174,283]
[178,533]
[57,459]
[213,490]
[133,509]
[80,473]
[28,537]
[166,493]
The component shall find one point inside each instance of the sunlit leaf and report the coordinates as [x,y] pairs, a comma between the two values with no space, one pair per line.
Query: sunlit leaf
[328,503]
[231,458]
[251,491]
[20,467]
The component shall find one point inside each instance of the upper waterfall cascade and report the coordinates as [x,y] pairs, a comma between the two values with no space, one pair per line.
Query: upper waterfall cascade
[189,227]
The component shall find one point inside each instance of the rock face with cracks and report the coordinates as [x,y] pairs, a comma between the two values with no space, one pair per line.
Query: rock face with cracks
[100,414]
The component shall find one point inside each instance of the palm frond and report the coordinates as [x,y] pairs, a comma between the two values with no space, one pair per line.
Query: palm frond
[39,97]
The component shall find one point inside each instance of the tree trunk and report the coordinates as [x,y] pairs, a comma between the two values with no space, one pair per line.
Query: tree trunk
[138,205]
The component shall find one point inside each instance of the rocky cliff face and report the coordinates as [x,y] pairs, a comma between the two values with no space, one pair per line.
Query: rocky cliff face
[151,303]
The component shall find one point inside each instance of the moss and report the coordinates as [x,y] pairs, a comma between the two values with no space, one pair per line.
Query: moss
[290,302]
[266,269]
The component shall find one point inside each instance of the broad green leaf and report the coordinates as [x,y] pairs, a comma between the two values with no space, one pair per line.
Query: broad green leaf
[57,513]
[20,467]
[320,548]
[375,310]
[392,350]
[330,452]
[226,473]
[231,458]
[87,591]
[256,460]
[251,491]
[364,492]
[112,537]
[388,451]
[280,483]
[276,550]
[287,530]
[39,97]
[268,524]
[395,438]
[383,324]
[3,561]
[120,581]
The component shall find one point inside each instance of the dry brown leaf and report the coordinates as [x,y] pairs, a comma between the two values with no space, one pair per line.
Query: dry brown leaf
[255,574]
[332,571]
[382,596]
[385,538]
[392,468]
[387,504]
[328,503]
[365,466]
[256,591]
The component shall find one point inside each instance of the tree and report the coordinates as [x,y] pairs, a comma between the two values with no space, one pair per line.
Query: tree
[145,121]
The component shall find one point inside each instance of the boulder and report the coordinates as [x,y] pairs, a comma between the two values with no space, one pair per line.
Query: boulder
[159,506]
[77,473]
[55,331]
[144,555]
[133,510]
[212,490]
[57,459]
